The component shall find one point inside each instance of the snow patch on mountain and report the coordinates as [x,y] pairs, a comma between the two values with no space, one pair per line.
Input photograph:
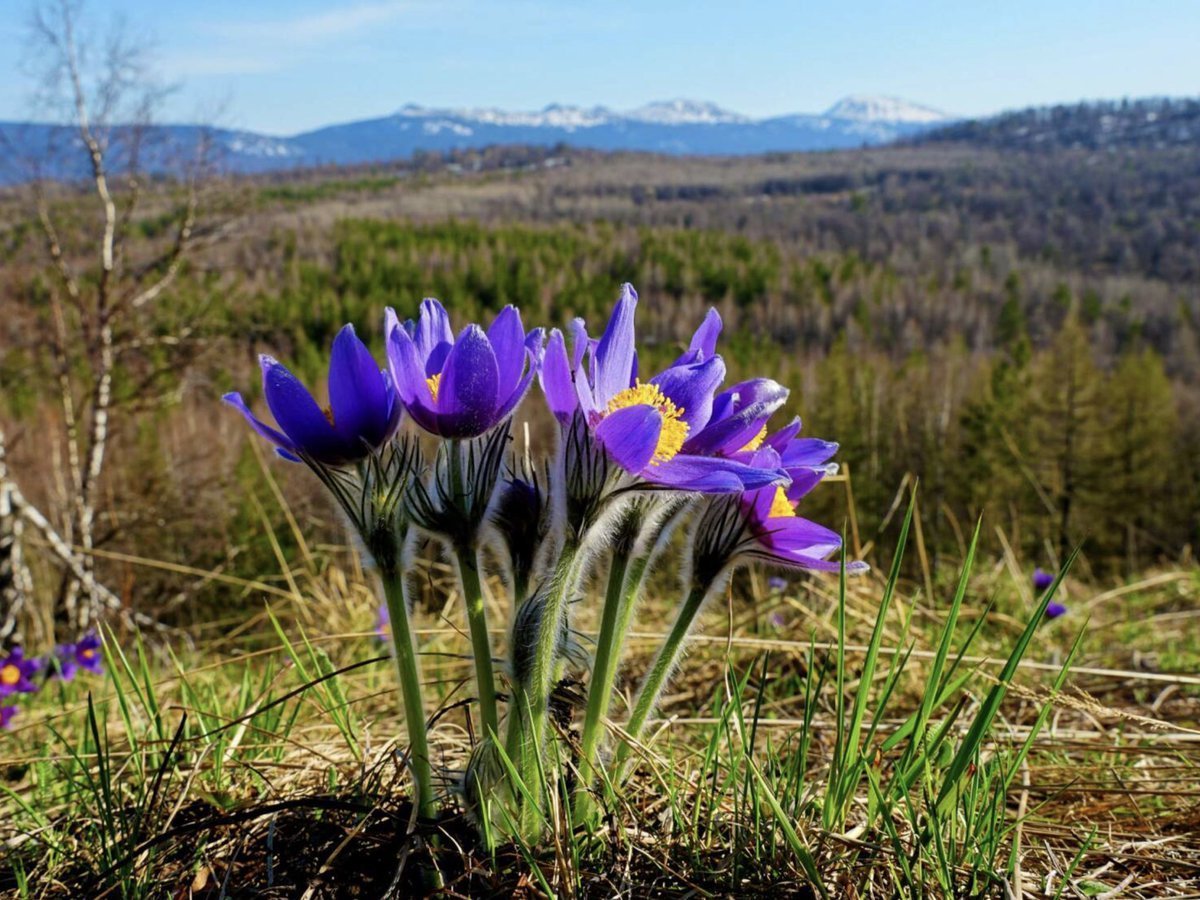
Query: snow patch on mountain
[684,112]
[259,146]
[864,108]
[553,116]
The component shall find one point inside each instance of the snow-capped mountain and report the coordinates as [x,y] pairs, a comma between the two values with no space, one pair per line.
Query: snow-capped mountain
[861,108]
[678,126]
[671,126]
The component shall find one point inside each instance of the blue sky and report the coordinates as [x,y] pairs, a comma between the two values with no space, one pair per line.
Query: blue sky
[282,66]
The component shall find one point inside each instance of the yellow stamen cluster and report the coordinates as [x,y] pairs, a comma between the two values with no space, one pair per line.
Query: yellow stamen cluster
[674,429]
[88,653]
[781,506]
[755,442]
[10,675]
[433,381]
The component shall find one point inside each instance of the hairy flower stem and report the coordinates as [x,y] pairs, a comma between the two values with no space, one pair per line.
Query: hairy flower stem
[533,700]
[410,691]
[467,563]
[660,672]
[604,669]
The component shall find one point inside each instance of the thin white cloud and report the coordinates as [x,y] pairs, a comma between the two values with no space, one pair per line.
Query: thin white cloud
[208,65]
[313,27]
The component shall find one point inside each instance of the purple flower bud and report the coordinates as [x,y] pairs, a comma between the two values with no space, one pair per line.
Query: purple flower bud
[7,714]
[519,517]
[1055,609]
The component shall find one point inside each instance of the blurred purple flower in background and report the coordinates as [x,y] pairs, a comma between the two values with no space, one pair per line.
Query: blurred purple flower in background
[775,583]
[85,655]
[7,714]
[16,673]
[1042,579]
[383,625]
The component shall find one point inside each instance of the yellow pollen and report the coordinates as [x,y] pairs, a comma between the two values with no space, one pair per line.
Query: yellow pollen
[781,506]
[328,414]
[88,653]
[10,675]
[433,381]
[755,442]
[674,429]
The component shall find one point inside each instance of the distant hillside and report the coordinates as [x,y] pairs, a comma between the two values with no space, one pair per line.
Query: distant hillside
[677,127]
[1152,123]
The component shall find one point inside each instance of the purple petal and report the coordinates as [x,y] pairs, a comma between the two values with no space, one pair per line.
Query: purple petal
[277,438]
[507,337]
[405,364]
[808,452]
[556,381]
[300,418]
[630,436]
[358,393]
[583,392]
[691,389]
[705,338]
[534,351]
[712,474]
[434,337]
[788,534]
[739,414]
[615,353]
[580,342]
[803,481]
[518,394]
[467,398]
[780,439]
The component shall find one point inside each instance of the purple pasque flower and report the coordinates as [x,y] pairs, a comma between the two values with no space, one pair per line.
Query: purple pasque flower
[1054,609]
[461,387]
[762,524]
[776,535]
[1042,579]
[643,425]
[85,654]
[781,535]
[16,673]
[362,415]
[7,714]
